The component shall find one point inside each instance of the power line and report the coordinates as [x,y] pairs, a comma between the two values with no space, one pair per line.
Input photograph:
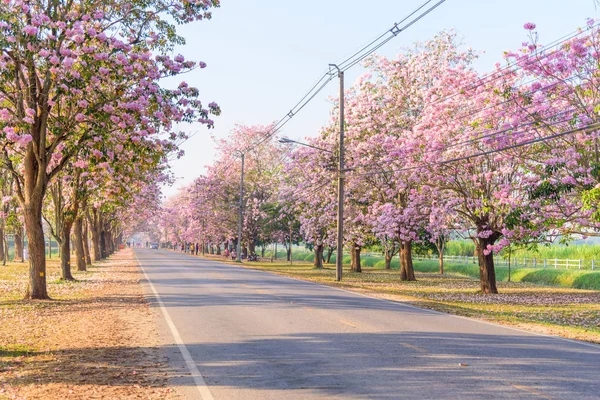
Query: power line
[382,40]
[341,63]
[504,71]
[351,61]
[395,30]
[484,153]
[328,76]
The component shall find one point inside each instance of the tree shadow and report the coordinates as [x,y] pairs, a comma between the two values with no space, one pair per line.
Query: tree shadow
[354,365]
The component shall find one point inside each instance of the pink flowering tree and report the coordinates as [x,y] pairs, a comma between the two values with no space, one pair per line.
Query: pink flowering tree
[262,166]
[385,112]
[559,97]
[309,191]
[69,68]
[474,157]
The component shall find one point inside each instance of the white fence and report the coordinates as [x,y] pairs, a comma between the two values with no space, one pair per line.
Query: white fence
[516,262]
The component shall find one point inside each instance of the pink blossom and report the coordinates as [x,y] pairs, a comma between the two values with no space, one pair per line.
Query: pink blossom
[30,30]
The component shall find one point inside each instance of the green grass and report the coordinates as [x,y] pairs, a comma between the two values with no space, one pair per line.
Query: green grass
[576,279]
[15,350]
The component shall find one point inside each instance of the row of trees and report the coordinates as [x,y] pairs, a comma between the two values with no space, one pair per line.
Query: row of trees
[432,148]
[86,128]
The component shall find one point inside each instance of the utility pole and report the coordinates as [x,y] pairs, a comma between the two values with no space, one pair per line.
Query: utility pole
[241,213]
[340,217]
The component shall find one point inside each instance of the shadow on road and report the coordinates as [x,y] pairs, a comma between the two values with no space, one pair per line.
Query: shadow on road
[366,365]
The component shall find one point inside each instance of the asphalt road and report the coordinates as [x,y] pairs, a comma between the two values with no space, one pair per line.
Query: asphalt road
[255,335]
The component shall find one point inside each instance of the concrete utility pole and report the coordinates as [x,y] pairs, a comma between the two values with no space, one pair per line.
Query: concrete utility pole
[340,217]
[241,213]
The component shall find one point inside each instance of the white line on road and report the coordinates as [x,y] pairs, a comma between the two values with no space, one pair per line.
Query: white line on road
[191,365]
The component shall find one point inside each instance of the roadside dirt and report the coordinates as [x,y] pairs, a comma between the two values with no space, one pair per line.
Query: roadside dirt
[97,340]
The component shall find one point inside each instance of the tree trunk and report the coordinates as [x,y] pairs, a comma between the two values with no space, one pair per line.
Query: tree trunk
[318,262]
[36,288]
[65,252]
[245,252]
[5,258]
[86,245]
[252,246]
[110,243]
[355,258]
[102,244]
[441,246]
[388,261]
[19,246]
[289,253]
[95,229]
[218,249]
[79,251]
[2,254]
[329,254]
[407,272]
[487,272]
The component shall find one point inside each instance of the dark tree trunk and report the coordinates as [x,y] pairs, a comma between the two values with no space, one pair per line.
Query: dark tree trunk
[218,249]
[289,253]
[110,243]
[355,258]
[329,254]
[86,245]
[19,246]
[441,246]
[251,247]
[36,288]
[487,272]
[262,252]
[318,262]
[388,261]
[2,253]
[79,247]
[5,250]
[65,252]
[102,244]
[95,230]
[388,258]
[407,272]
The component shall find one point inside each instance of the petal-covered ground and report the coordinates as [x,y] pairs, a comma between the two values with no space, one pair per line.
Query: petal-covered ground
[95,339]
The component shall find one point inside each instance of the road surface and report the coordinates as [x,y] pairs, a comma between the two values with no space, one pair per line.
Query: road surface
[246,334]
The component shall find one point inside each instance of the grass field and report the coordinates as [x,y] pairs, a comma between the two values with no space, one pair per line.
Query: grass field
[577,251]
[549,277]
[532,301]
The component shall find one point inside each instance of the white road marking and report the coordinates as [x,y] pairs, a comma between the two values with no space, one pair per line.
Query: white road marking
[191,365]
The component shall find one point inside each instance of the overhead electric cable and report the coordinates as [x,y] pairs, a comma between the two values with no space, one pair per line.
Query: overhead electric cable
[488,152]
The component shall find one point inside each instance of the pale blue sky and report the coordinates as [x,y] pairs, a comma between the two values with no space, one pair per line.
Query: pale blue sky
[264,55]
